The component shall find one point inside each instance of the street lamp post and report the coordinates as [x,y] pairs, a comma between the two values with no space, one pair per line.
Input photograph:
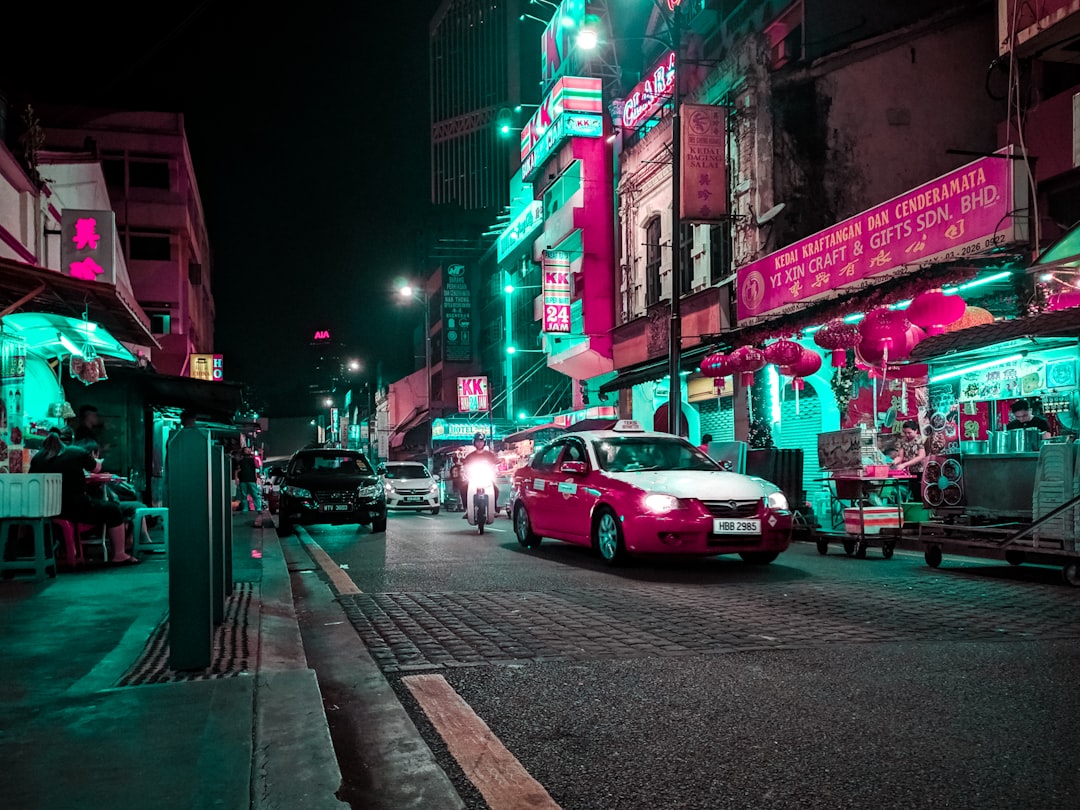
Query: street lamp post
[675,328]
[407,291]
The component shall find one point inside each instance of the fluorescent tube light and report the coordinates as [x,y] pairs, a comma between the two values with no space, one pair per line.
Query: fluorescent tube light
[948,375]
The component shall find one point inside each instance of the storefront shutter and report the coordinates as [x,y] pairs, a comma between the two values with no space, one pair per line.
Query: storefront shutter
[718,418]
[799,431]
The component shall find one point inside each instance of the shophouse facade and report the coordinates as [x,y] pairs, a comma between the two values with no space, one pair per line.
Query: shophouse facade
[160,223]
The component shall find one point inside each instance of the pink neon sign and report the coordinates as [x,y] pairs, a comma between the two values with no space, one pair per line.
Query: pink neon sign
[649,95]
[87,249]
[959,214]
[556,269]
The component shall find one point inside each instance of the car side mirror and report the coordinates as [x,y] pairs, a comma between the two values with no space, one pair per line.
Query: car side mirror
[574,467]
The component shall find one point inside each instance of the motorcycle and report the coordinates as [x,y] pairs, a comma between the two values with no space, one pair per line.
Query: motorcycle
[479,497]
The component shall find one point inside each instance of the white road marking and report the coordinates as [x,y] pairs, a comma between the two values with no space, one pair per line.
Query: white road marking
[341,581]
[500,778]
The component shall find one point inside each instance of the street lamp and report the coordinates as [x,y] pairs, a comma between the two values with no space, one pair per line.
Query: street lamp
[408,292]
[670,12]
[510,289]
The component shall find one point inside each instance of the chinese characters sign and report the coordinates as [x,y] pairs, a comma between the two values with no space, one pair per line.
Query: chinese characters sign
[649,95]
[556,277]
[88,245]
[457,315]
[472,394]
[703,171]
[207,367]
[959,214]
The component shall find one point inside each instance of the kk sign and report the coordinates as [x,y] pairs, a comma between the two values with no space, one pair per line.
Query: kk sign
[208,367]
[472,394]
[556,291]
[88,246]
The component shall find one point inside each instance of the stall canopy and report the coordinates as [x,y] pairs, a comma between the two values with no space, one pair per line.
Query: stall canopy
[1035,332]
[210,400]
[1064,254]
[51,335]
[35,289]
[654,370]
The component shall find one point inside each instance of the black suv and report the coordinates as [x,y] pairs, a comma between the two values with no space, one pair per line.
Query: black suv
[330,486]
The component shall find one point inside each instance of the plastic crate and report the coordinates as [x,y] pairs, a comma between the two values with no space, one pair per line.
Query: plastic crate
[30,494]
[873,518]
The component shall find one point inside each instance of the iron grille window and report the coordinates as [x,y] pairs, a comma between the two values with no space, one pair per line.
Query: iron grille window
[719,252]
[652,261]
[686,258]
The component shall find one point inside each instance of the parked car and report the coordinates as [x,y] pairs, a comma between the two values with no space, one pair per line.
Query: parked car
[273,471]
[627,491]
[409,485]
[331,486]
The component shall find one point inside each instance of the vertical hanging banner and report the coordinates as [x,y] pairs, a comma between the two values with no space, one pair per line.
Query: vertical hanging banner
[457,316]
[703,156]
[556,280]
[88,245]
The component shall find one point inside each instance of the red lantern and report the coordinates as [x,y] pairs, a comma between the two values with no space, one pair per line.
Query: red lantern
[783,353]
[809,363]
[838,336]
[716,365]
[886,333]
[934,310]
[747,360]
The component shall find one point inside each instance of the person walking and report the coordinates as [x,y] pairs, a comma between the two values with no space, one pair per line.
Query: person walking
[247,483]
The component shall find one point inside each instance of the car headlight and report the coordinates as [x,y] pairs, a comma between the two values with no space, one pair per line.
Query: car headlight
[777,500]
[369,492]
[655,502]
[295,492]
[389,488]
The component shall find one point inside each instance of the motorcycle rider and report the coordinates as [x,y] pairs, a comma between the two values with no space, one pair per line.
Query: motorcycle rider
[481,454]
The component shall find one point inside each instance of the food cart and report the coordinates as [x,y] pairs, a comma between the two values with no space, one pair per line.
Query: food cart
[995,488]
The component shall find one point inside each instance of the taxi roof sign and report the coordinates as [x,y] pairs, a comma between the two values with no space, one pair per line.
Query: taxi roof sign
[628,426]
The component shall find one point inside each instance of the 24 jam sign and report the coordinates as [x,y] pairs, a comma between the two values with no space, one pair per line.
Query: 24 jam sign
[472,394]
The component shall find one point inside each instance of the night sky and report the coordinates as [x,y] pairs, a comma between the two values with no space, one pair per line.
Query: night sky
[309,136]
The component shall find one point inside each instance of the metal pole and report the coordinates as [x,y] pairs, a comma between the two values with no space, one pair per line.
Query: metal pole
[509,357]
[427,372]
[675,331]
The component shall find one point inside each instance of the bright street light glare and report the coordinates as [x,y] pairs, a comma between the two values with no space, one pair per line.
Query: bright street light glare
[510,350]
[405,291]
[587,38]
[329,402]
[509,288]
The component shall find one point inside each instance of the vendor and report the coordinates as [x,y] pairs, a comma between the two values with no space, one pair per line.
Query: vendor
[1023,418]
[912,449]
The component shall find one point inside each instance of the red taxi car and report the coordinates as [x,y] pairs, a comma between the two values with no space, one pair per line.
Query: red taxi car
[627,491]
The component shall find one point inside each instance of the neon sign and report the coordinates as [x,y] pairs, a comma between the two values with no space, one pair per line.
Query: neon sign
[557,45]
[569,94]
[527,221]
[556,292]
[472,394]
[649,95]
[209,367]
[322,334]
[88,246]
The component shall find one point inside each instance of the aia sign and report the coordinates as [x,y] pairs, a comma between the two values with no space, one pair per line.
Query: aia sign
[472,394]
[322,334]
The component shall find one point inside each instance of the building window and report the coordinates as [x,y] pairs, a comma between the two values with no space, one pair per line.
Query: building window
[686,258]
[146,247]
[719,252]
[652,261]
[113,169]
[149,174]
[160,323]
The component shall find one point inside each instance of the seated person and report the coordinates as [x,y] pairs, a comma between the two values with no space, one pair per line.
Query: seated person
[76,503]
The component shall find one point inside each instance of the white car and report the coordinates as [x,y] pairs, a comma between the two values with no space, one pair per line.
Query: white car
[409,485]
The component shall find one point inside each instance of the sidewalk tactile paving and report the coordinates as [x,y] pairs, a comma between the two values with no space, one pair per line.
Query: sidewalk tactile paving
[231,651]
[437,630]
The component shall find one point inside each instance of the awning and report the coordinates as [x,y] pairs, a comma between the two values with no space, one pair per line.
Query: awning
[535,433]
[52,335]
[1064,254]
[218,400]
[397,437]
[654,370]
[1063,323]
[43,290]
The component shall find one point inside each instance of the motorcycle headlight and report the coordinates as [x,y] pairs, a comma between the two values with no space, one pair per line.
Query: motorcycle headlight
[655,502]
[295,492]
[777,500]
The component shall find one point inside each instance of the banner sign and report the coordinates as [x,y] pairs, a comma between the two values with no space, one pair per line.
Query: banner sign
[447,430]
[556,286]
[12,385]
[457,316]
[530,218]
[703,170]
[557,48]
[959,214]
[568,125]
[649,95]
[472,394]
[207,367]
[88,245]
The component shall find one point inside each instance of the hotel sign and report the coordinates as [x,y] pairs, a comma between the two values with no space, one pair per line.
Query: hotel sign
[649,96]
[962,213]
[210,367]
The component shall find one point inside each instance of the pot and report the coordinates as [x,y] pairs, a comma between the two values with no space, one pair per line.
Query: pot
[1023,440]
[974,447]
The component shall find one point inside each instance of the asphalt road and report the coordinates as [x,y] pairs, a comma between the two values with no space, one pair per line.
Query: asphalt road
[812,682]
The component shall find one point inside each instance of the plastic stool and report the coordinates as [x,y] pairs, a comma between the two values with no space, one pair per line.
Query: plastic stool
[143,542]
[43,563]
[71,534]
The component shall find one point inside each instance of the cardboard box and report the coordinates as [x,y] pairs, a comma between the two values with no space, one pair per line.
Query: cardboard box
[874,519]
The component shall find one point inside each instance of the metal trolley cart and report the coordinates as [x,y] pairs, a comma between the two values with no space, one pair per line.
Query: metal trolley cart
[856,490]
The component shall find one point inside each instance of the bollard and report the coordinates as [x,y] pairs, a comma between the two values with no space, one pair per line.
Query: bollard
[188,477]
[220,512]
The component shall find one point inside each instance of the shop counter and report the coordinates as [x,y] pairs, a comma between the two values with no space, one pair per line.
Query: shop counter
[1000,485]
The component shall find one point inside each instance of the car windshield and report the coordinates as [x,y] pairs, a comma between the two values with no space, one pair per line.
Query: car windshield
[330,464]
[639,453]
[406,472]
